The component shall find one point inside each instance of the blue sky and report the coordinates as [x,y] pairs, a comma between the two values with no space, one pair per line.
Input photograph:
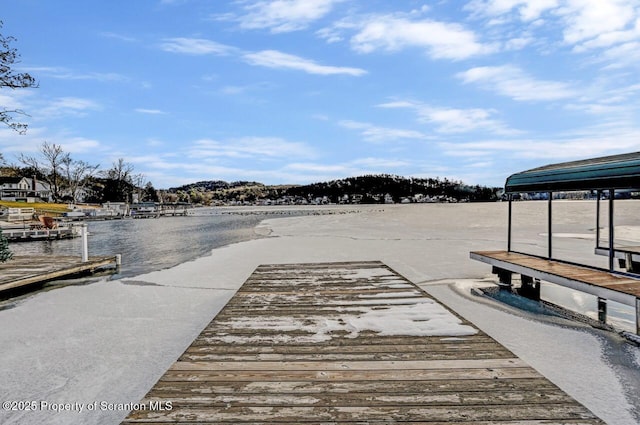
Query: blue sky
[298,91]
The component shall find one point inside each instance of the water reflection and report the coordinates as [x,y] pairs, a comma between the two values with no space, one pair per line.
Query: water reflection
[620,316]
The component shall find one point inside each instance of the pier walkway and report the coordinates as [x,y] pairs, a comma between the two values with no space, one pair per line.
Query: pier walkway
[22,271]
[338,343]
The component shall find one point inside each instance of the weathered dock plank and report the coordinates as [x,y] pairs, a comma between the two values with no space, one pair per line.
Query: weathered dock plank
[388,422]
[347,343]
[22,271]
[590,279]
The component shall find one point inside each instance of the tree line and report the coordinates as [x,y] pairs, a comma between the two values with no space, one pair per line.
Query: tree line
[373,187]
[72,180]
[367,189]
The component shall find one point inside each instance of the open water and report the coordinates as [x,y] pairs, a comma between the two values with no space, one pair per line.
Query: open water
[152,244]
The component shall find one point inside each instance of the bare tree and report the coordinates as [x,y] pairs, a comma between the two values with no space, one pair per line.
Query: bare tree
[13,80]
[50,166]
[119,184]
[120,171]
[139,181]
[76,174]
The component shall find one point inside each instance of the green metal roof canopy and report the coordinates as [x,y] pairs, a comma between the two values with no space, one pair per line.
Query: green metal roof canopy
[609,172]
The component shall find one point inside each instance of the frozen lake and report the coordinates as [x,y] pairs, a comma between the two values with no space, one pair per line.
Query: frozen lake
[112,339]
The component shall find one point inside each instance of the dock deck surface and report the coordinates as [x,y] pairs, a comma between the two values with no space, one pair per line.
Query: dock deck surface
[22,271]
[339,343]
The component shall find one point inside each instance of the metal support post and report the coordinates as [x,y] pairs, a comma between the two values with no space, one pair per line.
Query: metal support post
[598,195]
[509,223]
[602,310]
[85,242]
[550,228]
[504,277]
[530,287]
[612,194]
[637,316]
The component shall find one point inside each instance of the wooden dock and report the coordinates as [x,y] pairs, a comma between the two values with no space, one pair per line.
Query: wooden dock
[23,235]
[340,343]
[22,271]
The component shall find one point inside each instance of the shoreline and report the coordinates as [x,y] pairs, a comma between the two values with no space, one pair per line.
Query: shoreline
[110,341]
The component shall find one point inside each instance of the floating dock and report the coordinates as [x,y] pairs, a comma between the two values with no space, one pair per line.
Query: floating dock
[348,343]
[22,271]
[22,235]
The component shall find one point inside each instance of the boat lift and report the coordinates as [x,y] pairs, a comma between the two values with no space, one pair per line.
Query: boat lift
[606,176]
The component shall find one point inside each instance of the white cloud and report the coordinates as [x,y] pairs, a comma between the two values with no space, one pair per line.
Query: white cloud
[28,143]
[154,143]
[512,82]
[592,142]
[279,60]
[150,111]
[31,142]
[399,104]
[233,90]
[317,168]
[528,10]
[334,32]
[120,37]
[13,100]
[195,46]
[589,19]
[67,106]
[626,54]
[583,24]
[250,147]
[372,133]
[75,103]
[518,43]
[310,171]
[167,171]
[285,15]
[379,163]
[442,40]
[63,73]
[454,120]
[79,145]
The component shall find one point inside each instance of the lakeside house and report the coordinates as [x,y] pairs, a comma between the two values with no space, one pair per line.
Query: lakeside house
[24,189]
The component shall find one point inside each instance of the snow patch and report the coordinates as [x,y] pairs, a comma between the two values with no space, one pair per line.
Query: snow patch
[391,294]
[423,317]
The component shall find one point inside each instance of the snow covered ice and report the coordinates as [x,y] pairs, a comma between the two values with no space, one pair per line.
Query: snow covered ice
[111,341]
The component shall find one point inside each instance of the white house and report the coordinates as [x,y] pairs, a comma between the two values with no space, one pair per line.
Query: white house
[14,188]
[24,189]
[42,190]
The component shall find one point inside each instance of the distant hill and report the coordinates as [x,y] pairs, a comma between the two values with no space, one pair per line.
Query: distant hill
[374,188]
[212,185]
[363,189]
